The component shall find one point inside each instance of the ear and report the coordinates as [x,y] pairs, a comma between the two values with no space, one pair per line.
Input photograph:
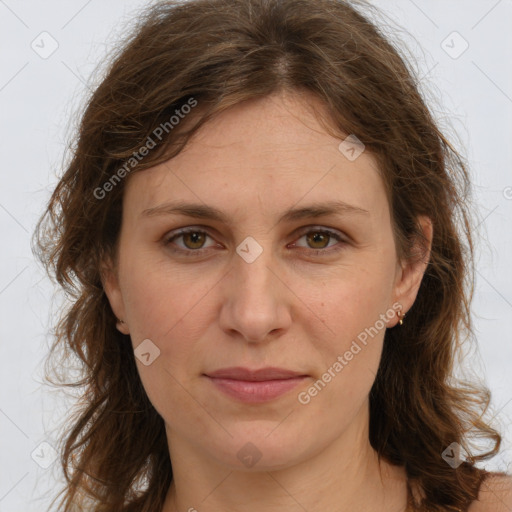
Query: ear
[410,272]
[110,281]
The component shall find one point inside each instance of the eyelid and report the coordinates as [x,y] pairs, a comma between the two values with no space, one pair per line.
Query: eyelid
[320,229]
[177,233]
[298,233]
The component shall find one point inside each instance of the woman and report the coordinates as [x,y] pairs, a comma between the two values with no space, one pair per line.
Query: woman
[260,230]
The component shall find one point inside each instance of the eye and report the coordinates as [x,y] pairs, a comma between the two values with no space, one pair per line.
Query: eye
[193,241]
[318,239]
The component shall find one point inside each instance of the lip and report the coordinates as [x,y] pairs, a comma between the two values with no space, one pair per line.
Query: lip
[255,386]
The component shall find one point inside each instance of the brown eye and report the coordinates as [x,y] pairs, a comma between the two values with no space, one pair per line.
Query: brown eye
[318,239]
[321,241]
[194,239]
[191,242]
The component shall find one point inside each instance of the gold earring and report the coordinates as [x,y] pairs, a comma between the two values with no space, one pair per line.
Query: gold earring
[400,317]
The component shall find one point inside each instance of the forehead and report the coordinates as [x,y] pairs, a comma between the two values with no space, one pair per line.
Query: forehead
[272,149]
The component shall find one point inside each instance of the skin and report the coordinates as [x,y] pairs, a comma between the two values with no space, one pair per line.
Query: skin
[291,308]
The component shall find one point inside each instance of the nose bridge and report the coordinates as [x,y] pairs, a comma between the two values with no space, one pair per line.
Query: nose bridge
[254,304]
[256,279]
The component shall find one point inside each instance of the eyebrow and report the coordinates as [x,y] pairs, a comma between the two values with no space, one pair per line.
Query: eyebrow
[202,211]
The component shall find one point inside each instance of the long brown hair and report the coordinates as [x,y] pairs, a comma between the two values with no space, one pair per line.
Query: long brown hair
[218,53]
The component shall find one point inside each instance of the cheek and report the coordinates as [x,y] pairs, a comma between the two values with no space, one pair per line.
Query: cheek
[350,358]
[160,300]
[172,311]
[353,311]
[172,315]
[355,301]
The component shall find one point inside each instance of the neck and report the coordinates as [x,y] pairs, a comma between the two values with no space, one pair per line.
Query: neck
[345,476]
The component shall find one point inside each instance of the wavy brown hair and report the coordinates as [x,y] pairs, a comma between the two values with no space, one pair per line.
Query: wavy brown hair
[219,53]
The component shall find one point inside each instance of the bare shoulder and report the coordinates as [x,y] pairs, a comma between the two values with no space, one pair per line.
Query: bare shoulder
[495,495]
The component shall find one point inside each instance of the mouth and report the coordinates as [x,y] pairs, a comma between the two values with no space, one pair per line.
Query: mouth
[255,386]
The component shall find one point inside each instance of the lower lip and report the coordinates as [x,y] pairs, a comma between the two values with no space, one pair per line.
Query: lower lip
[255,391]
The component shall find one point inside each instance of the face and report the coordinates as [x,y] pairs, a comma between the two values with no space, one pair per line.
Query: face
[296,273]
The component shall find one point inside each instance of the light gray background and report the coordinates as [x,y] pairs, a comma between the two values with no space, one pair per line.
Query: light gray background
[472,96]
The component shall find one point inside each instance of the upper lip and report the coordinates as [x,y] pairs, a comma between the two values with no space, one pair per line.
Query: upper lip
[262,374]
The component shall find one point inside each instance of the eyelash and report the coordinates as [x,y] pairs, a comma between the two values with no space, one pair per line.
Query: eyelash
[198,252]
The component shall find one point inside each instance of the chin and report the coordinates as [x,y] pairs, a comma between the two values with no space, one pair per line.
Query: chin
[260,448]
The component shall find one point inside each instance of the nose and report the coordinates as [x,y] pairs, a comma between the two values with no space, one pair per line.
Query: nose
[256,301]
